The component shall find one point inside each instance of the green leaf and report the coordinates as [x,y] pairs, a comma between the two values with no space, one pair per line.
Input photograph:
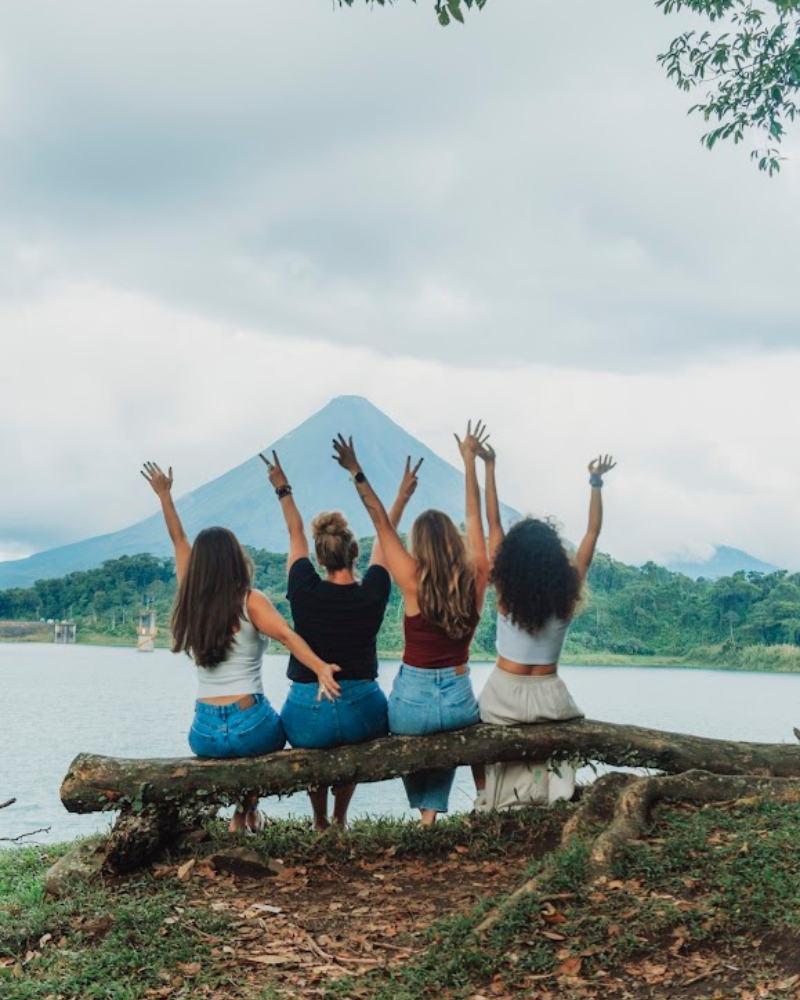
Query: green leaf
[455,9]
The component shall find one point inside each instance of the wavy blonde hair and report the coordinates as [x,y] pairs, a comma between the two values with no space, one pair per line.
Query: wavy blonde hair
[334,541]
[446,591]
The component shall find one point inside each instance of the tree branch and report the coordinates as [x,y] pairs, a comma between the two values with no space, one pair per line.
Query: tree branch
[95,783]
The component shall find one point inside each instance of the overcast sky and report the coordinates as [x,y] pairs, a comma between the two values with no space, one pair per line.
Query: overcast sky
[216,217]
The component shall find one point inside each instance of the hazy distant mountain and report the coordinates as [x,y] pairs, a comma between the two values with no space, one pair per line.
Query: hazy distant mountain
[243,500]
[724,561]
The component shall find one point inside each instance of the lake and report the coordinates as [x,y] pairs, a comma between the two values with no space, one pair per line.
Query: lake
[62,700]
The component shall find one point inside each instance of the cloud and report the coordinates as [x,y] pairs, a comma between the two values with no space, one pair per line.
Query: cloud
[702,451]
[524,188]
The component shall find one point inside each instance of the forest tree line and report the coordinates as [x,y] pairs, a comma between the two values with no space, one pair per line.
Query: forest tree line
[627,610]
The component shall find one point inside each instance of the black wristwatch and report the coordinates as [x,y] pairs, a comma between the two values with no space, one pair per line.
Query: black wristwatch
[359,477]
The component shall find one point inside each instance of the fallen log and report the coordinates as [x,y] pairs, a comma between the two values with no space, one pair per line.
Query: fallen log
[95,783]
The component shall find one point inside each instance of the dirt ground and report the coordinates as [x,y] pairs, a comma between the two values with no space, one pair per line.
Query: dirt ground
[305,922]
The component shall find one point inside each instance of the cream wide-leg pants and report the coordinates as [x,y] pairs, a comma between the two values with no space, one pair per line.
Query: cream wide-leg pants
[508,700]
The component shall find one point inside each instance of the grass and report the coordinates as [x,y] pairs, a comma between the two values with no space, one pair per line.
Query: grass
[703,891]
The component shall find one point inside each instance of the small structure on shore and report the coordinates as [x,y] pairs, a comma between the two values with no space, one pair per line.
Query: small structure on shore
[64,633]
[146,632]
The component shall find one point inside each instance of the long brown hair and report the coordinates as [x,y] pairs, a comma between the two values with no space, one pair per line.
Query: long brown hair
[334,541]
[211,597]
[446,591]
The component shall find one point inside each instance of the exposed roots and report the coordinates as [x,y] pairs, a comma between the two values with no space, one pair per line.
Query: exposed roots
[633,806]
[624,801]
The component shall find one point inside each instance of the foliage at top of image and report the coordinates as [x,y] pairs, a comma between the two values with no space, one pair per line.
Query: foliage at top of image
[750,64]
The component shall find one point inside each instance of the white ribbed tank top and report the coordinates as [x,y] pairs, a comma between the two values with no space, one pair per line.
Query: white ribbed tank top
[240,671]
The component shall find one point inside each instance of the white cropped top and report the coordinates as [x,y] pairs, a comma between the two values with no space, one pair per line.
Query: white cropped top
[514,644]
[240,671]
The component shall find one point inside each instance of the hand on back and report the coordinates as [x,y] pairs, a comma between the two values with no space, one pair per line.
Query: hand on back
[160,481]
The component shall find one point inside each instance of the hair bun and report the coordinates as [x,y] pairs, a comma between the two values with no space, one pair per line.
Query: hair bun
[331,522]
[334,540]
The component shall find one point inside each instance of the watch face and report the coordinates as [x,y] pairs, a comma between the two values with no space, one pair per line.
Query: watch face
[359,477]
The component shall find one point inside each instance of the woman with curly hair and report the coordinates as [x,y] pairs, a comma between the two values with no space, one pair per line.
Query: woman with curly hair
[538,588]
[225,626]
[443,580]
[339,616]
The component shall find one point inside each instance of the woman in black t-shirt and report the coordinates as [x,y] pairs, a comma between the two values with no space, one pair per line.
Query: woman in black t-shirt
[342,617]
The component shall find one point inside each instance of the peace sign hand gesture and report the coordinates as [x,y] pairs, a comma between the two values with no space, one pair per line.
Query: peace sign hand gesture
[277,476]
[409,481]
[159,480]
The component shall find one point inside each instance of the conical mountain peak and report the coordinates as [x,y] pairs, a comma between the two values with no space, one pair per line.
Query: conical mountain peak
[243,500]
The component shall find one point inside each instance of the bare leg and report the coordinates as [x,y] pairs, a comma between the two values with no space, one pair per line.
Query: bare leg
[479,777]
[342,794]
[427,817]
[319,806]
[245,815]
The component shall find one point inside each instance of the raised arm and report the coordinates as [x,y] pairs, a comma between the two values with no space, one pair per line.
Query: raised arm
[161,483]
[408,485]
[470,447]
[263,614]
[598,467]
[298,543]
[496,532]
[393,553]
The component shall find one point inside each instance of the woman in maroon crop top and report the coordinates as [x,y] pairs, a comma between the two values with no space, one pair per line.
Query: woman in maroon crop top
[443,580]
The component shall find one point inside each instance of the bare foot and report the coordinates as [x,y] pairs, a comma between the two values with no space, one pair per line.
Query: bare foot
[427,817]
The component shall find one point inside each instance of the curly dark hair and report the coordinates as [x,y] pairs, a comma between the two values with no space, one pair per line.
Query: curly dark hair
[534,576]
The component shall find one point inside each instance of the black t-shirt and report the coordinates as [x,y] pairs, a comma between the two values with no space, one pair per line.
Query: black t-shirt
[339,621]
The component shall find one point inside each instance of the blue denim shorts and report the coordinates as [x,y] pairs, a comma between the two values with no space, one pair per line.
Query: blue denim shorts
[357,715]
[230,731]
[431,701]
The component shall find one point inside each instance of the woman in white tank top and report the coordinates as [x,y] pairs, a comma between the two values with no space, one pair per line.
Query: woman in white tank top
[225,626]
[538,587]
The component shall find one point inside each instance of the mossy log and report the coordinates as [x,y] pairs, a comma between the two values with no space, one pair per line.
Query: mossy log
[95,783]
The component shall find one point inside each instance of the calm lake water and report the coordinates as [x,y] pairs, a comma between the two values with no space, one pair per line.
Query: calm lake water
[63,700]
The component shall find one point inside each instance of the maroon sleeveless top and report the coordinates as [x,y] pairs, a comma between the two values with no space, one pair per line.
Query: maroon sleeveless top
[429,646]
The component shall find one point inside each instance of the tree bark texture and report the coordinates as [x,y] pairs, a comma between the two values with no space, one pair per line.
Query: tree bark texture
[95,783]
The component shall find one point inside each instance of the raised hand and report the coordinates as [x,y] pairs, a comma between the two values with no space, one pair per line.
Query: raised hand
[345,454]
[601,465]
[160,481]
[277,476]
[409,481]
[328,687]
[487,453]
[474,441]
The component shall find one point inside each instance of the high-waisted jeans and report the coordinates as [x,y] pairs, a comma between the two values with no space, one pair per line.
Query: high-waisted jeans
[430,700]
[230,731]
[357,715]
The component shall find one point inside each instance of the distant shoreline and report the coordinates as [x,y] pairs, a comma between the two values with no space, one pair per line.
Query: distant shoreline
[751,659]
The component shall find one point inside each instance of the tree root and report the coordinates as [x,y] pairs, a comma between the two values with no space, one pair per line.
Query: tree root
[138,837]
[634,803]
[626,801]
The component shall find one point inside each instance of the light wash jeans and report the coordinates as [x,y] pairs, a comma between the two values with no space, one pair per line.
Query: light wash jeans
[430,700]
[230,731]
[357,715]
